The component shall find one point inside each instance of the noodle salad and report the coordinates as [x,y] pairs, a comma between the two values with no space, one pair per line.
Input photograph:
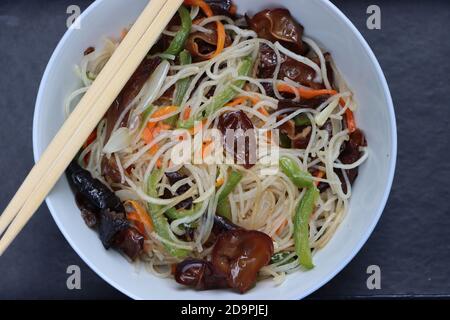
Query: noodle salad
[230,154]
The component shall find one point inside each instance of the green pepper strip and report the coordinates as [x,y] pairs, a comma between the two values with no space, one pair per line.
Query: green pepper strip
[160,222]
[223,204]
[175,214]
[280,257]
[302,120]
[145,116]
[181,87]
[183,84]
[228,94]
[301,231]
[304,210]
[182,35]
[300,178]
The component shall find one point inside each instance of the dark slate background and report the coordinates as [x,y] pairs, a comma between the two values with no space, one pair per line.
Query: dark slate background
[411,244]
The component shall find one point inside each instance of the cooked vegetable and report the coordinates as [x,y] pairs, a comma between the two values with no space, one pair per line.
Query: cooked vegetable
[200,275]
[291,169]
[240,254]
[177,44]
[160,222]
[202,45]
[183,84]
[129,92]
[221,99]
[93,190]
[242,131]
[278,25]
[301,226]
[221,35]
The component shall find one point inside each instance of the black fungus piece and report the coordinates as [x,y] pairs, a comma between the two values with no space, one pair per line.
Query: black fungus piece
[199,274]
[130,241]
[111,224]
[89,212]
[173,178]
[93,189]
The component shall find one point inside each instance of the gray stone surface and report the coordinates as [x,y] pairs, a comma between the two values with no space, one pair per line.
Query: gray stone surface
[411,243]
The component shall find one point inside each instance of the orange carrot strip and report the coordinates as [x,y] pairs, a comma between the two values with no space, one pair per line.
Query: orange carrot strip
[187,113]
[320,175]
[349,117]
[263,111]
[280,229]
[304,93]
[219,182]
[221,35]
[161,112]
[237,101]
[142,215]
[147,135]
[309,94]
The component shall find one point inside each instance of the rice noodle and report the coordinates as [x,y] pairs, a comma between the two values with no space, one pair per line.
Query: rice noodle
[262,202]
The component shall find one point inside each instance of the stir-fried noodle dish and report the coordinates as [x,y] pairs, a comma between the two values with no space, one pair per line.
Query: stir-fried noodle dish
[228,157]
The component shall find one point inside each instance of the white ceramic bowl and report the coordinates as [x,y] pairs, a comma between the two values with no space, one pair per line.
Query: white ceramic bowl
[322,21]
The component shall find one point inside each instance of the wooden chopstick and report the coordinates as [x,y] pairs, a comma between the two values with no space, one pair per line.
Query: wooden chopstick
[97,88]
[80,127]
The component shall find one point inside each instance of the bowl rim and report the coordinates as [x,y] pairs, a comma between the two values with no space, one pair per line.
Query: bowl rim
[345,261]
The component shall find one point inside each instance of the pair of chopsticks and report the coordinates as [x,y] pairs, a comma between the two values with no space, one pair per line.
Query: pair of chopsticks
[83,120]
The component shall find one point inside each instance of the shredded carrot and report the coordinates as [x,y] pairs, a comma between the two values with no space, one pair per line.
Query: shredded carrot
[221,35]
[304,93]
[242,100]
[153,150]
[280,229]
[237,101]
[207,148]
[320,175]
[263,111]
[161,112]
[187,113]
[159,163]
[219,182]
[140,215]
[310,93]
[147,135]
[349,117]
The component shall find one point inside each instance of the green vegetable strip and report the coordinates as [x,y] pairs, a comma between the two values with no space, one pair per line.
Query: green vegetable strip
[145,116]
[280,257]
[181,87]
[301,227]
[175,214]
[160,222]
[224,209]
[229,93]
[302,120]
[300,178]
[304,210]
[223,204]
[183,84]
[232,181]
[182,35]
